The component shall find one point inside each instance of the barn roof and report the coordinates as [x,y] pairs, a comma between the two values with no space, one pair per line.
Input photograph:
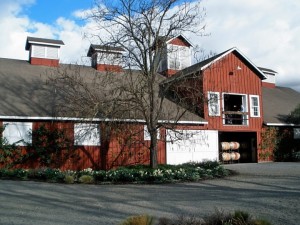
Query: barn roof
[200,66]
[98,48]
[44,41]
[26,93]
[278,103]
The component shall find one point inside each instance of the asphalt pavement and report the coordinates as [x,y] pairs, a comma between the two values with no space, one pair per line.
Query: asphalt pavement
[267,190]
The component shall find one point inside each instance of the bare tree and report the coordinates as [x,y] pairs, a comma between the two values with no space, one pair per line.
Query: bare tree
[140,27]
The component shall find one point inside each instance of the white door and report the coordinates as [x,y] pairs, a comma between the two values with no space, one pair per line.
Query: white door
[191,146]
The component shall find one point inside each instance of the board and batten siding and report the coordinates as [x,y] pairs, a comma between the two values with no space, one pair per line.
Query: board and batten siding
[120,149]
[231,75]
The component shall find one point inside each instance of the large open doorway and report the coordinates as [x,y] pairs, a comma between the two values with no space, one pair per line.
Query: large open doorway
[246,147]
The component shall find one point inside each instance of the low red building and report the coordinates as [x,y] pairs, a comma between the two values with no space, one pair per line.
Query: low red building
[236,106]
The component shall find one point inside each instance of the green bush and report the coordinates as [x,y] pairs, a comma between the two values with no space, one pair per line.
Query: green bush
[86,179]
[69,179]
[132,174]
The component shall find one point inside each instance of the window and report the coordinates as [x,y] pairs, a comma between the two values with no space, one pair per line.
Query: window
[147,134]
[86,134]
[179,57]
[235,109]
[213,104]
[254,106]
[47,52]
[17,132]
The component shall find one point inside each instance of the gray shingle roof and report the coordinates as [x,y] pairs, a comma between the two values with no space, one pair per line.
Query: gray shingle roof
[31,40]
[25,92]
[278,103]
[200,65]
[94,48]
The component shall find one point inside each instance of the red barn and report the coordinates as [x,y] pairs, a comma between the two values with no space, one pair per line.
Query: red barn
[226,122]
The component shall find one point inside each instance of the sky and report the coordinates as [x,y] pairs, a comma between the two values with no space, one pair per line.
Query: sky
[266,32]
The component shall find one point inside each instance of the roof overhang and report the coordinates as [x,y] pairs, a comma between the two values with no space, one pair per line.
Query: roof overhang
[234,49]
[99,120]
[282,124]
[42,41]
[182,37]
[108,49]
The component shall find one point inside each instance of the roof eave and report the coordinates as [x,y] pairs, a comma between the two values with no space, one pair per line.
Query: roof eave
[239,52]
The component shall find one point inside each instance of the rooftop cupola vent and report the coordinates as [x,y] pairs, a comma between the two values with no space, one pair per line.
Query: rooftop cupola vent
[106,58]
[43,51]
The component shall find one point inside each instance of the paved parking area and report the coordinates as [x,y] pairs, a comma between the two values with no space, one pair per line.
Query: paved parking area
[269,190]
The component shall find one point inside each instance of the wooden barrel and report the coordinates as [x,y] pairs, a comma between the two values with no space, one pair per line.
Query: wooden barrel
[234,145]
[232,155]
[226,156]
[237,156]
[225,146]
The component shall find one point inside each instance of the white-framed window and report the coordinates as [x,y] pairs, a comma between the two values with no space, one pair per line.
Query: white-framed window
[147,134]
[47,52]
[179,57]
[17,132]
[214,104]
[87,134]
[254,106]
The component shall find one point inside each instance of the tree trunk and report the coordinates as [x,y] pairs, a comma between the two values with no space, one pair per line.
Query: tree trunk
[153,149]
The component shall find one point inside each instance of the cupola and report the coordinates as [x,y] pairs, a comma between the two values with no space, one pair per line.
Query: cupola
[176,54]
[270,80]
[43,51]
[106,58]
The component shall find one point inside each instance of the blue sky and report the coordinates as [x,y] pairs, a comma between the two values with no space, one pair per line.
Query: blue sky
[267,32]
[47,11]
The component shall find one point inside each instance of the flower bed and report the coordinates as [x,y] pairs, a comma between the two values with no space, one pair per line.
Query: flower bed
[131,174]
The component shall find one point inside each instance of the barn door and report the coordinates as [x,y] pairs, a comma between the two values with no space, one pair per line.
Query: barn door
[191,146]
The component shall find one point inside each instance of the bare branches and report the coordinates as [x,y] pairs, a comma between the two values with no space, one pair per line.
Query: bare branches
[141,28]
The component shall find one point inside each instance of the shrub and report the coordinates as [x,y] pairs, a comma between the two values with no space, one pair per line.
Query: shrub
[139,220]
[137,174]
[50,147]
[217,218]
[69,179]
[86,179]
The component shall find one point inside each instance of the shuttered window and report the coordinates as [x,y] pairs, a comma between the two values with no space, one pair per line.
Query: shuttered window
[39,51]
[52,53]
[47,52]
[17,133]
[86,134]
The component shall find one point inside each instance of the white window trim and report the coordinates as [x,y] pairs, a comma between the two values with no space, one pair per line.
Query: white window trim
[245,109]
[210,112]
[147,134]
[252,107]
[170,50]
[21,132]
[86,134]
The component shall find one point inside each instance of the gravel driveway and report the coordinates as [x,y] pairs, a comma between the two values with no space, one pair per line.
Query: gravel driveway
[268,190]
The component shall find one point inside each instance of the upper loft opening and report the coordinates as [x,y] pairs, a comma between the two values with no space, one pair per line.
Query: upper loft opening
[43,51]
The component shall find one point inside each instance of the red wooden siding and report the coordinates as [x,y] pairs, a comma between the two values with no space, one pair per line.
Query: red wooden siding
[125,146]
[231,75]
[109,68]
[179,41]
[44,62]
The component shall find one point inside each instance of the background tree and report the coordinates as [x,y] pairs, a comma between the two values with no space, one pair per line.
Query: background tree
[140,27]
